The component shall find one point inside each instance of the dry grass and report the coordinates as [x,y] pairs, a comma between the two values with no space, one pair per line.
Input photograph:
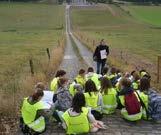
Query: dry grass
[10,101]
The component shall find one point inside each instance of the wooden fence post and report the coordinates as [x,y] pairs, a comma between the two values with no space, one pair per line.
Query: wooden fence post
[48,53]
[58,42]
[159,69]
[31,67]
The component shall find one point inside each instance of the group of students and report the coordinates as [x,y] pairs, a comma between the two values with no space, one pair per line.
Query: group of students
[80,105]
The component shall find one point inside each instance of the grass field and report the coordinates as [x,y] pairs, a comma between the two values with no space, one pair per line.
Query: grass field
[121,31]
[26,30]
[147,14]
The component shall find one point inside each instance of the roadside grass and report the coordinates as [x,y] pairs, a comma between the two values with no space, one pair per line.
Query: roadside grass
[26,30]
[137,42]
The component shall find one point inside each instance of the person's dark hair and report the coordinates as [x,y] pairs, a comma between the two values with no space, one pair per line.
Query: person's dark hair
[113,70]
[78,102]
[136,76]
[125,82]
[61,82]
[90,87]
[118,70]
[90,69]
[60,73]
[105,70]
[105,85]
[144,84]
[133,72]
[38,93]
[81,71]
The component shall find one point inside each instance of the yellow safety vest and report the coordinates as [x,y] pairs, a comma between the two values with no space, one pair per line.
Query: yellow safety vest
[92,101]
[145,100]
[95,79]
[135,85]
[125,114]
[54,84]
[72,90]
[109,101]
[80,80]
[77,124]
[29,114]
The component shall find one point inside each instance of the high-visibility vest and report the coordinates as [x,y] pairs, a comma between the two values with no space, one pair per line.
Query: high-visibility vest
[92,101]
[77,124]
[109,101]
[29,114]
[135,85]
[111,76]
[124,112]
[80,80]
[145,100]
[54,84]
[71,89]
[95,79]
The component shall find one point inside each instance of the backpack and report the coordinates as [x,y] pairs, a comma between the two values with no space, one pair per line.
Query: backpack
[154,105]
[132,104]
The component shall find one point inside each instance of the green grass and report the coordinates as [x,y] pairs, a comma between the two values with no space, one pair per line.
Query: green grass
[148,14]
[26,30]
[122,31]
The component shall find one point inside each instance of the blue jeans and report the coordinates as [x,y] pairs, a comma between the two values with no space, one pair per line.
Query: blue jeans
[100,66]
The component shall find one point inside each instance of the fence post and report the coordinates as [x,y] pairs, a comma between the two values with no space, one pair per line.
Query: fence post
[93,43]
[58,42]
[31,67]
[121,55]
[48,53]
[158,69]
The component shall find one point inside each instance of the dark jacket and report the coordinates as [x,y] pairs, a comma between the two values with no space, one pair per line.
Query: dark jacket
[97,54]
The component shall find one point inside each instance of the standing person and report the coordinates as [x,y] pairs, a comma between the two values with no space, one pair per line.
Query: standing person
[100,55]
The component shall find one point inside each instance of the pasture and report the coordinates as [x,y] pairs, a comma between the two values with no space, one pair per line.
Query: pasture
[26,30]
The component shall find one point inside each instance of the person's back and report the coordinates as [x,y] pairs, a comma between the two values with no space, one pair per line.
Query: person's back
[132,109]
[29,110]
[78,119]
[93,99]
[76,124]
[109,101]
[64,98]
[109,96]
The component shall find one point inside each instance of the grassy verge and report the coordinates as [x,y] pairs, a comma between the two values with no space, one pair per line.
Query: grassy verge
[26,30]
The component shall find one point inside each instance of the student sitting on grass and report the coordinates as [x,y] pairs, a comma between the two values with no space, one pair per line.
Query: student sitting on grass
[93,76]
[144,98]
[136,81]
[131,107]
[78,119]
[54,82]
[80,78]
[109,96]
[93,99]
[33,120]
